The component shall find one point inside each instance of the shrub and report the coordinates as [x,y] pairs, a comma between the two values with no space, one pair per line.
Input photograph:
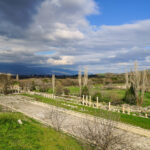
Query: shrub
[33,86]
[59,89]
[85,90]
[99,95]
[115,99]
[105,99]
[130,96]
[43,88]
[66,91]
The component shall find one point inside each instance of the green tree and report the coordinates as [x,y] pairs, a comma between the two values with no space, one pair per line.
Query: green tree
[130,96]
[85,90]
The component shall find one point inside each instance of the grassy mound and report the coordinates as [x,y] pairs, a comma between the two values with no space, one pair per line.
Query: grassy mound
[31,135]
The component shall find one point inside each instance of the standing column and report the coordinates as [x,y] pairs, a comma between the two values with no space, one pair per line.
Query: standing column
[53,83]
[86,100]
[83,100]
[90,101]
[97,102]
[128,110]
[109,106]
[146,115]
[123,111]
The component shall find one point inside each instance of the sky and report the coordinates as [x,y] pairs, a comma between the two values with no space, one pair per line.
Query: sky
[64,36]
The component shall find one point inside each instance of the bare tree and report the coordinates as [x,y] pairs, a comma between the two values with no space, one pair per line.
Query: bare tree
[57,119]
[53,83]
[143,87]
[5,83]
[80,81]
[17,77]
[127,80]
[18,85]
[138,81]
[85,77]
[103,134]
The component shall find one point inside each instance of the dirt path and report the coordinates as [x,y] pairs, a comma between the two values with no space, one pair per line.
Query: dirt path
[41,112]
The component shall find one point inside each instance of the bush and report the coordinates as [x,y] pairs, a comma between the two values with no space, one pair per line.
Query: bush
[115,99]
[85,91]
[66,91]
[105,99]
[130,96]
[59,89]
[99,95]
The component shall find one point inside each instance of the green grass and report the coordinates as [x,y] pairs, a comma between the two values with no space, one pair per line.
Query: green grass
[118,92]
[74,90]
[31,135]
[124,118]
[50,90]
[146,101]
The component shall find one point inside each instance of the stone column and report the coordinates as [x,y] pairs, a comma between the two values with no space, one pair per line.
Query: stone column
[128,110]
[97,102]
[109,106]
[18,89]
[83,100]
[146,115]
[90,101]
[123,110]
[86,100]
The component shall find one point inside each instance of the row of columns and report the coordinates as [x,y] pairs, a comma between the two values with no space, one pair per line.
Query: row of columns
[128,110]
[88,102]
[43,94]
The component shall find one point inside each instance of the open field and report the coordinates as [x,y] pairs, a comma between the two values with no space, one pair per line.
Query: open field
[125,118]
[31,135]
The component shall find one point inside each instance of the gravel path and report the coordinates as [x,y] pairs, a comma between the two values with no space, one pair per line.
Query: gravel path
[41,112]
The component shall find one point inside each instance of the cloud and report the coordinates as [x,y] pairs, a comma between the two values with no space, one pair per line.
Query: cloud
[61,27]
[63,32]
[18,12]
[64,60]
[16,16]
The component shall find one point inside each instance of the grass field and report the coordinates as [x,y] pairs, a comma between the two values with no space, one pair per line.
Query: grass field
[128,119]
[146,101]
[31,135]
[74,90]
[118,93]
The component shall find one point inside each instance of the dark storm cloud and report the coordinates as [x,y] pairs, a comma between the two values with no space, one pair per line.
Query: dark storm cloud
[18,12]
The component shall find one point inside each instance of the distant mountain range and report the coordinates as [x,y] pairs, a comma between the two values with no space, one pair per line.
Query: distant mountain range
[23,69]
